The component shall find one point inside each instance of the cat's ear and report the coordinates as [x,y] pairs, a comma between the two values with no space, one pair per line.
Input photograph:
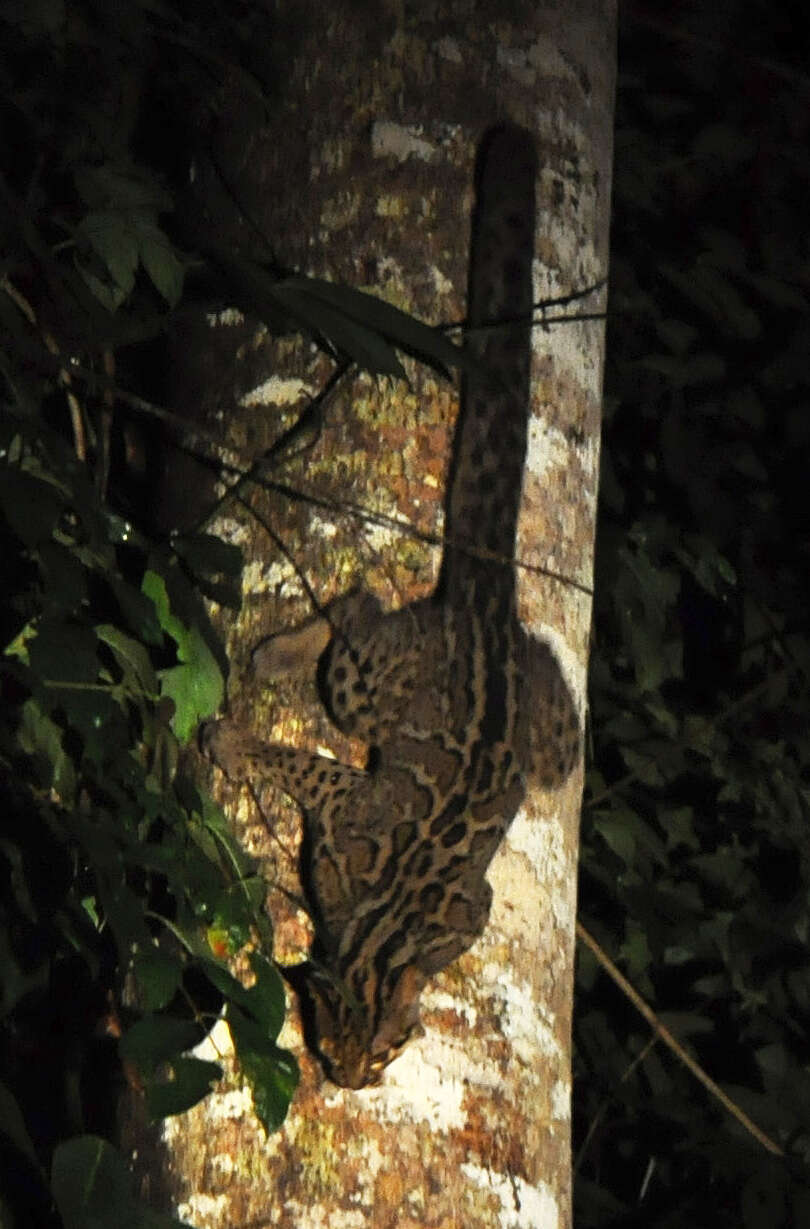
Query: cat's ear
[292,651]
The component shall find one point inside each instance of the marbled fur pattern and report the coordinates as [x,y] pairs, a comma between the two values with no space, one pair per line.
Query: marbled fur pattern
[457,703]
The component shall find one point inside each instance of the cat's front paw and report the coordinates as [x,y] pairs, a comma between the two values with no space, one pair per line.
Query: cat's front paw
[224,744]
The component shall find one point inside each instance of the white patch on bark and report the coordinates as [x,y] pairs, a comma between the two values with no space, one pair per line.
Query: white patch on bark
[520,1020]
[448,49]
[438,1000]
[416,1090]
[204,1209]
[561,1100]
[278,391]
[389,139]
[229,317]
[523,1206]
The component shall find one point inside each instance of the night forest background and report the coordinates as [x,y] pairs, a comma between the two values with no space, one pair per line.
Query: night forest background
[695,869]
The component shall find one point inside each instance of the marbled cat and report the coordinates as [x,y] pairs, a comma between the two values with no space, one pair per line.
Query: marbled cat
[458,705]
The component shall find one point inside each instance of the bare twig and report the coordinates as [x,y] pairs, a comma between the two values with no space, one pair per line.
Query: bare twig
[662,1032]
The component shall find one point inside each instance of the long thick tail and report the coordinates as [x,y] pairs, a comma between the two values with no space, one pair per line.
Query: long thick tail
[490,441]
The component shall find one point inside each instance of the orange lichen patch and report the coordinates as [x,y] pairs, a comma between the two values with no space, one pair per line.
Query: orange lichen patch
[416,495]
[499,1151]
[292,936]
[499,1051]
[446,1019]
[398,437]
[432,444]
[390,1188]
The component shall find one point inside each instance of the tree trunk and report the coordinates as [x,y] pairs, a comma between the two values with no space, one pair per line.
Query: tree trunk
[364,176]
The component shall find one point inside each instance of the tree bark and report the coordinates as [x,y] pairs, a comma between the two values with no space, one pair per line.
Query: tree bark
[364,175]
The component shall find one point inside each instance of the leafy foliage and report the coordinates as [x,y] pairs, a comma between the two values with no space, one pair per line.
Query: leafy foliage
[150,882]
[696,864]
[351,323]
[124,892]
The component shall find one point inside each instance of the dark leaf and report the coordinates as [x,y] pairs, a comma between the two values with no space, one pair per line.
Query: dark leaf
[271,1072]
[189,1080]
[158,974]
[208,555]
[154,1039]
[92,1187]
[420,340]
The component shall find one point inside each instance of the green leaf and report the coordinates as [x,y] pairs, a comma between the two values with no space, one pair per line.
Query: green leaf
[702,734]
[644,767]
[91,1185]
[710,568]
[158,974]
[132,657]
[373,313]
[208,555]
[215,565]
[154,586]
[154,1039]
[366,348]
[124,185]
[225,982]
[359,325]
[686,1023]
[188,1081]
[90,1182]
[267,994]
[196,686]
[679,825]
[635,951]
[237,906]
[214,837]
[161,262]
[138,610]
[264,1001]
[643,595]
[271,1072]
[42,738]
[114,240]
[123,910]
[726,867]
[617,836]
